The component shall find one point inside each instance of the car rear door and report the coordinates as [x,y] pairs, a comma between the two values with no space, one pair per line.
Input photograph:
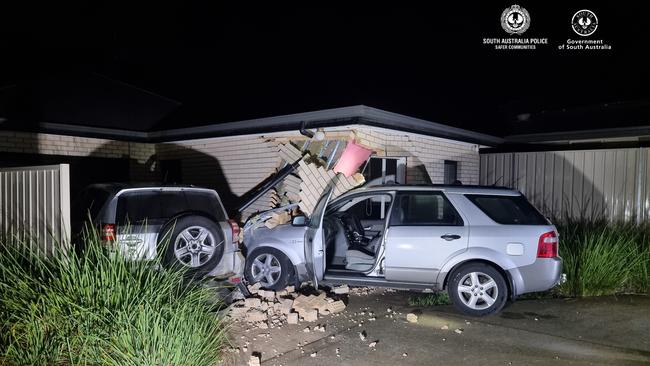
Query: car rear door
[424,230]
[314,240]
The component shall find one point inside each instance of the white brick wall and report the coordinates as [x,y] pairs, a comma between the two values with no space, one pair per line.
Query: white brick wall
[50,144]
[244,161]
[235,165]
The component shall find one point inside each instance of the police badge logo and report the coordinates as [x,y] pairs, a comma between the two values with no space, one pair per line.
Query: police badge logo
[584,22]
[515,20]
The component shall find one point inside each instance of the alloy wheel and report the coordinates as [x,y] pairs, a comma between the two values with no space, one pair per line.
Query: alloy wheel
[194,246]
[266,269]
[477,290]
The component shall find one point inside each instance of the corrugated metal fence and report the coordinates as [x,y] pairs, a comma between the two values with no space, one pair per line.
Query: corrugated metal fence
[609,183]
[35,206]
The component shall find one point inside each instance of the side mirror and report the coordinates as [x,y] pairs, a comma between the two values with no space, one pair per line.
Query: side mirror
[299,221]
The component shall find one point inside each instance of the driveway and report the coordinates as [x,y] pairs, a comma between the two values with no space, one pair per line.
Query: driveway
[607,330]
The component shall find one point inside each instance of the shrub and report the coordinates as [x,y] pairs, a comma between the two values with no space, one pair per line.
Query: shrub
[429,300]
[99,308]
[603,258]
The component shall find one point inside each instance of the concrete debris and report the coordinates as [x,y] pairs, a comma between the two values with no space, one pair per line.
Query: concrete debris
[252,302]
[458,330]
[292,318]
[372,344]
[290,289]
[411,318]
[253,289]
[306,330]
[336,307]
[445,327]
[278,219]
[270,309]
[362,291]
[310,315]
[255,316]
[340,290]
[405,354]
[319,328]
[267,295]
[313,354]
[254,361]
[363,335]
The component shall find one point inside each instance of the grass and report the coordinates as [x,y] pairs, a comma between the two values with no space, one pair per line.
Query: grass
[603,258]
[429,300]
[97,308]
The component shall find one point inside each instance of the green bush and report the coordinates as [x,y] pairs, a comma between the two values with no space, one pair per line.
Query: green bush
[429,300]
[602,258]
[99,308]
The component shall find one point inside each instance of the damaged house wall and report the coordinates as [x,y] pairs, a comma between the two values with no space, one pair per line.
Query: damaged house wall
[232,165]
[235,165]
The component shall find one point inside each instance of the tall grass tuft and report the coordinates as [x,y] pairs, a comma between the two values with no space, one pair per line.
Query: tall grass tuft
[97,307]
[429,300]
[602,258]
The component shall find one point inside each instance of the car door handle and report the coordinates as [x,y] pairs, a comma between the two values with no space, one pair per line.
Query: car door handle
[450,237]
[367,228]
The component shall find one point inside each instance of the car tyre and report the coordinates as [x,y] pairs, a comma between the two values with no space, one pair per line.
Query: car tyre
[192,243]
[269,266]
[477,289]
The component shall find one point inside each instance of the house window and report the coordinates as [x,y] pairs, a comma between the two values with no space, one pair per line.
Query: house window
[451,171]
[385,170]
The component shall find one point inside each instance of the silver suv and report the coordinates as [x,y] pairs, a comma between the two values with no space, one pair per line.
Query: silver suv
[484,245]
[187,225]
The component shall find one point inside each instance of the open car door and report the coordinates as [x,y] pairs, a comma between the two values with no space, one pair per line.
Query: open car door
[314,239]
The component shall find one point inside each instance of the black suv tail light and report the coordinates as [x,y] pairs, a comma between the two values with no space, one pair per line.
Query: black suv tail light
[108,232]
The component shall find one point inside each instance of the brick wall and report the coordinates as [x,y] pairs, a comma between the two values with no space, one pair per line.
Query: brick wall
[50,144]
[425,155]
[235,165]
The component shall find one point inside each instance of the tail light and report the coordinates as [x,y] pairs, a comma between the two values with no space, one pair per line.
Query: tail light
[547,247]
[235,231]
[108,232]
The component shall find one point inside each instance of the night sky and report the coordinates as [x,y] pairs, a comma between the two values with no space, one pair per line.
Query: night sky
[170,66]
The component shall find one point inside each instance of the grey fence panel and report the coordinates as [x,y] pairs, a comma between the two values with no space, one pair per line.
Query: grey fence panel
[35,206]
[608,183]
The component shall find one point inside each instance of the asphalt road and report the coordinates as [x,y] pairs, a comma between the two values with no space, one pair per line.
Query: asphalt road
[596,331]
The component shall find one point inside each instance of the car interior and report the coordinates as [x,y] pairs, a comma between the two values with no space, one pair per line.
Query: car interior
[353,232]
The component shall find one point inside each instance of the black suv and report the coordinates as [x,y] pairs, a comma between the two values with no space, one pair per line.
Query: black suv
[188,224]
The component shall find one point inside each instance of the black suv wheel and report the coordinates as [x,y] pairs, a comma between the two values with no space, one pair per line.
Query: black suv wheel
[194,243]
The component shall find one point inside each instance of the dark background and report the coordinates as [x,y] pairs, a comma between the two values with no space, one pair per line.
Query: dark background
[168,66]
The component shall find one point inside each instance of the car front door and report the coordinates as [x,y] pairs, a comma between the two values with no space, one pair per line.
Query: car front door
[424,230]
[314,240]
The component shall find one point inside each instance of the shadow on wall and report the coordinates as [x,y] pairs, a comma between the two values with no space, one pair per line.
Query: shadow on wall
[135,163]
[561,187]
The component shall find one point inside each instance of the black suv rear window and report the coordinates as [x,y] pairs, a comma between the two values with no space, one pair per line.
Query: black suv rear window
[508,210]
[138,206]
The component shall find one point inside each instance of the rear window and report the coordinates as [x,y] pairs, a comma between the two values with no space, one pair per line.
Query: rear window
[508,210]
[136,207]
